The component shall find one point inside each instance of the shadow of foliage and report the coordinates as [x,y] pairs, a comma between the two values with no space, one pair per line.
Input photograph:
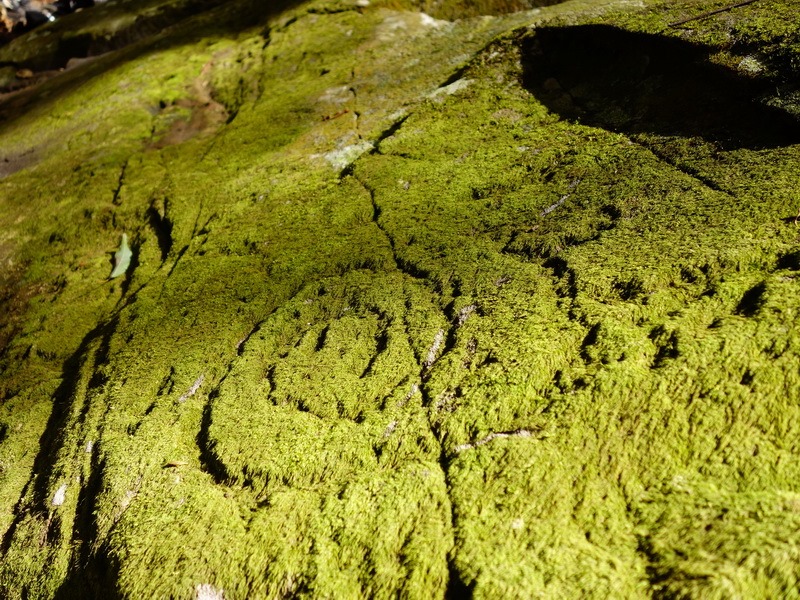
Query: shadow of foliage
[636,83]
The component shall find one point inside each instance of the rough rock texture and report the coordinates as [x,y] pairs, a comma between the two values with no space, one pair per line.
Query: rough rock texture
[500,306]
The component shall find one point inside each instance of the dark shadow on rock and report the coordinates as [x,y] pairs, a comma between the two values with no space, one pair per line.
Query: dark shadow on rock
[457,588]
[92,579]
[636,83]
[34,499]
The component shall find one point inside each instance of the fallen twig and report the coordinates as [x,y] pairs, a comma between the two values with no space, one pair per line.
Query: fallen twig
[708,13]
[192,390]
[523,433]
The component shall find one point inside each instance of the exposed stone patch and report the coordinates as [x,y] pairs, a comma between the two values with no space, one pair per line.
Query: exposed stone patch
[451,88]
[341,158]
[337,95]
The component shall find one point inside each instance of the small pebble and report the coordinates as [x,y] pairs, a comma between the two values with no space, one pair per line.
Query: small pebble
[206,591]
[60,495]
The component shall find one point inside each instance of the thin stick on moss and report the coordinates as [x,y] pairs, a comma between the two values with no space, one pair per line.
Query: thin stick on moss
[709,13]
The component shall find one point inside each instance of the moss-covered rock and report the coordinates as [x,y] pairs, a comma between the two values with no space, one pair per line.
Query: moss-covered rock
[496,306]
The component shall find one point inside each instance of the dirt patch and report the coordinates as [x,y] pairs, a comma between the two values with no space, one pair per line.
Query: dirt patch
[11,163]
[200,114]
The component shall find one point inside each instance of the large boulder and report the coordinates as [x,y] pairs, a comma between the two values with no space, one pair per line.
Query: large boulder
[410,299]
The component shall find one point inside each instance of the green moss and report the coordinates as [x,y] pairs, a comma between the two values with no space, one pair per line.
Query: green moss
[498,349]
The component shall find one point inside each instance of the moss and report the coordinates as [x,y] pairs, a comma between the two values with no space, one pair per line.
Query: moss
[518,346]
[726,562]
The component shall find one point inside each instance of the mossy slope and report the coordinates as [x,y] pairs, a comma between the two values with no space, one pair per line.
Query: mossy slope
[408,313]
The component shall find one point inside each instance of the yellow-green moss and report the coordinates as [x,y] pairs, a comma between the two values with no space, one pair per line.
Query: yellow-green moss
[394,324]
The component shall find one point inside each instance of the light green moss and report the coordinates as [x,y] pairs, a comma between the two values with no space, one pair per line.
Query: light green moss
[503,352]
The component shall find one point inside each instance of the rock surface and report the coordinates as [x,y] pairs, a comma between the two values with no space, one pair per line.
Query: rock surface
[503,305]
